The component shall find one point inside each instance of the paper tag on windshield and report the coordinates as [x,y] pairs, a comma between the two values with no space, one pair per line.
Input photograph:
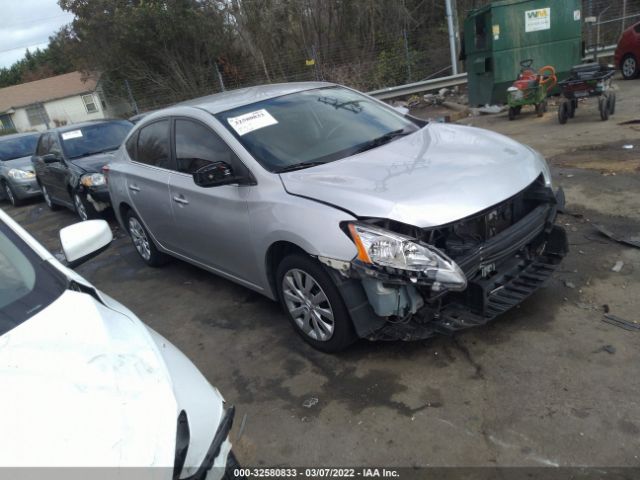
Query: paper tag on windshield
[251,121]
[72,134]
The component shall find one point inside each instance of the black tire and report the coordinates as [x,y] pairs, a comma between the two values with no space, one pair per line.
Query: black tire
[563,112]
[47,199]
[83,207]
[342,334]
[518,109]
[540,109]
[232,466]
[148,251]
[603,106]
[512,113]
[612,103]
[10,195]
[573,105]
[629,67]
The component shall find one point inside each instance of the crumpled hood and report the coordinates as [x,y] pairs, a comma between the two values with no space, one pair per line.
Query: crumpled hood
[94,163]
[84,389]
[23,163]
[435,176]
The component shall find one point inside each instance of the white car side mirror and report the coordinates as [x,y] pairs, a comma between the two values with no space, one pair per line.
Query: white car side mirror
[84,240]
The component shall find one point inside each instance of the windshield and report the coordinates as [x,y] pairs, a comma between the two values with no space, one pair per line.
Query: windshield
[94,138]
[27,283]
[19,147]
[314,126]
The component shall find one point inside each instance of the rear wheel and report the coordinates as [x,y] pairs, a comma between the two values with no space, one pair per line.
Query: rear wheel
[603,106]
[143,243]
[10,195]
[47,198]
[313,304]
[629,67]
[573,104]
[512,113]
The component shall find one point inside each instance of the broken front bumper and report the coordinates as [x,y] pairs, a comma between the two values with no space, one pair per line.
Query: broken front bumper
[501,273]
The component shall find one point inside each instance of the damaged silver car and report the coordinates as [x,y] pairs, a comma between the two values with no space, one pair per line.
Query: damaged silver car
[363,222]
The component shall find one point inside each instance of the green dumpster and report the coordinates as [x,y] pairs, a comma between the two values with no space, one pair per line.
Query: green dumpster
[498,36]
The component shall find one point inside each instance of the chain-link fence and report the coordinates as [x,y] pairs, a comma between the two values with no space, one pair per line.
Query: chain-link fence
[390,60]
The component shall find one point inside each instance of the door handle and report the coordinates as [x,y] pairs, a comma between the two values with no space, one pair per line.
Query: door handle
[134,188]
[180,199]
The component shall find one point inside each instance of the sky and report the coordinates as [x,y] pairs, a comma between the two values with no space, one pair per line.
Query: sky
[28,24]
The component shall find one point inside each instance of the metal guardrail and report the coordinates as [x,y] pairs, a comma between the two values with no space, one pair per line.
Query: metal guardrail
[455,80]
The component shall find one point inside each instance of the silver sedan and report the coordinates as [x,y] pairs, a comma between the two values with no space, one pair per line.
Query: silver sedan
[362,221]
[17,179]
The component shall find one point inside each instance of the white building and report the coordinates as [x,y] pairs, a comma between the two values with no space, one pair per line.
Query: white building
[50,102]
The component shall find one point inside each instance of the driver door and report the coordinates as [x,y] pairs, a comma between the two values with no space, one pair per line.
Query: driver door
[211,224]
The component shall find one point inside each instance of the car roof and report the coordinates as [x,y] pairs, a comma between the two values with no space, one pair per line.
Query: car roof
[17,135]
[76,126]
[220,102]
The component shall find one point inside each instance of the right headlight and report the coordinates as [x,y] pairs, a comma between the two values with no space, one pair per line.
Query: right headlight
[383,248]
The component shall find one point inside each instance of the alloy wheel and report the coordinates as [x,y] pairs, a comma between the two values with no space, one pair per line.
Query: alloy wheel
[629,67]
[80,208]
[308,305]
[139,238]
[9,193]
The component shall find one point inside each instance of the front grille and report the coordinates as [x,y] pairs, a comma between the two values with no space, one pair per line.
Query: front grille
[463,237]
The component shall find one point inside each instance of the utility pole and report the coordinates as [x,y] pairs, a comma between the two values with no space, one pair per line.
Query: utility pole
[453,35]
[132,100]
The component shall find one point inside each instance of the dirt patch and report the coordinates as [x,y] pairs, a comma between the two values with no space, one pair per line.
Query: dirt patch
[606,158]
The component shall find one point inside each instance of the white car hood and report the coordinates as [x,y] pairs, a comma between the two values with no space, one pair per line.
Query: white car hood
[84,389]
[435,176]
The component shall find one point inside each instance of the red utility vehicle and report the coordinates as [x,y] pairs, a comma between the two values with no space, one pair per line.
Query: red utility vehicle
[627,53]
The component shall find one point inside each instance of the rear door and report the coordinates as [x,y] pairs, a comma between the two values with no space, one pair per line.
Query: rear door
[147,178]
[211,224]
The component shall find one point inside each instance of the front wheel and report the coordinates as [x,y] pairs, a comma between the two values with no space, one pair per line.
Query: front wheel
[313,304]
[84,209]
[10,195]
[143,243]
[603,106]
[563,112]
[612,103]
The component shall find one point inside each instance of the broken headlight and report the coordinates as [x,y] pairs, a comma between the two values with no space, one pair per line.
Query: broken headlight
[93,180]
[383,248]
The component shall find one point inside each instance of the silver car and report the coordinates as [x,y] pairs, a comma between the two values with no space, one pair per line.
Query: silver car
[363,222]
[17,179]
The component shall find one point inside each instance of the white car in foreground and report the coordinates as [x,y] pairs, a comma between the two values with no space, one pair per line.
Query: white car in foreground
[85,383]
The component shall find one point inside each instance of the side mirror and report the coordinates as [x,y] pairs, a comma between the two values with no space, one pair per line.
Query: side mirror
[214,175]
[84,240]
[51,158]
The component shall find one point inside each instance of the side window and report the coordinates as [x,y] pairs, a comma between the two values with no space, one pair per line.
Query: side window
[131,146]
[153,145]
[198,146]
[43,145]
[54,146]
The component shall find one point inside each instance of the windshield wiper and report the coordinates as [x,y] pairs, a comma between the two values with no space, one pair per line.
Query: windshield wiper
[299,166]
[88,154]
[382,139]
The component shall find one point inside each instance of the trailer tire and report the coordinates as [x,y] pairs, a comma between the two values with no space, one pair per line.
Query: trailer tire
[603,106]
[563,112]
[573,105]
[540,109]
[611,103]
